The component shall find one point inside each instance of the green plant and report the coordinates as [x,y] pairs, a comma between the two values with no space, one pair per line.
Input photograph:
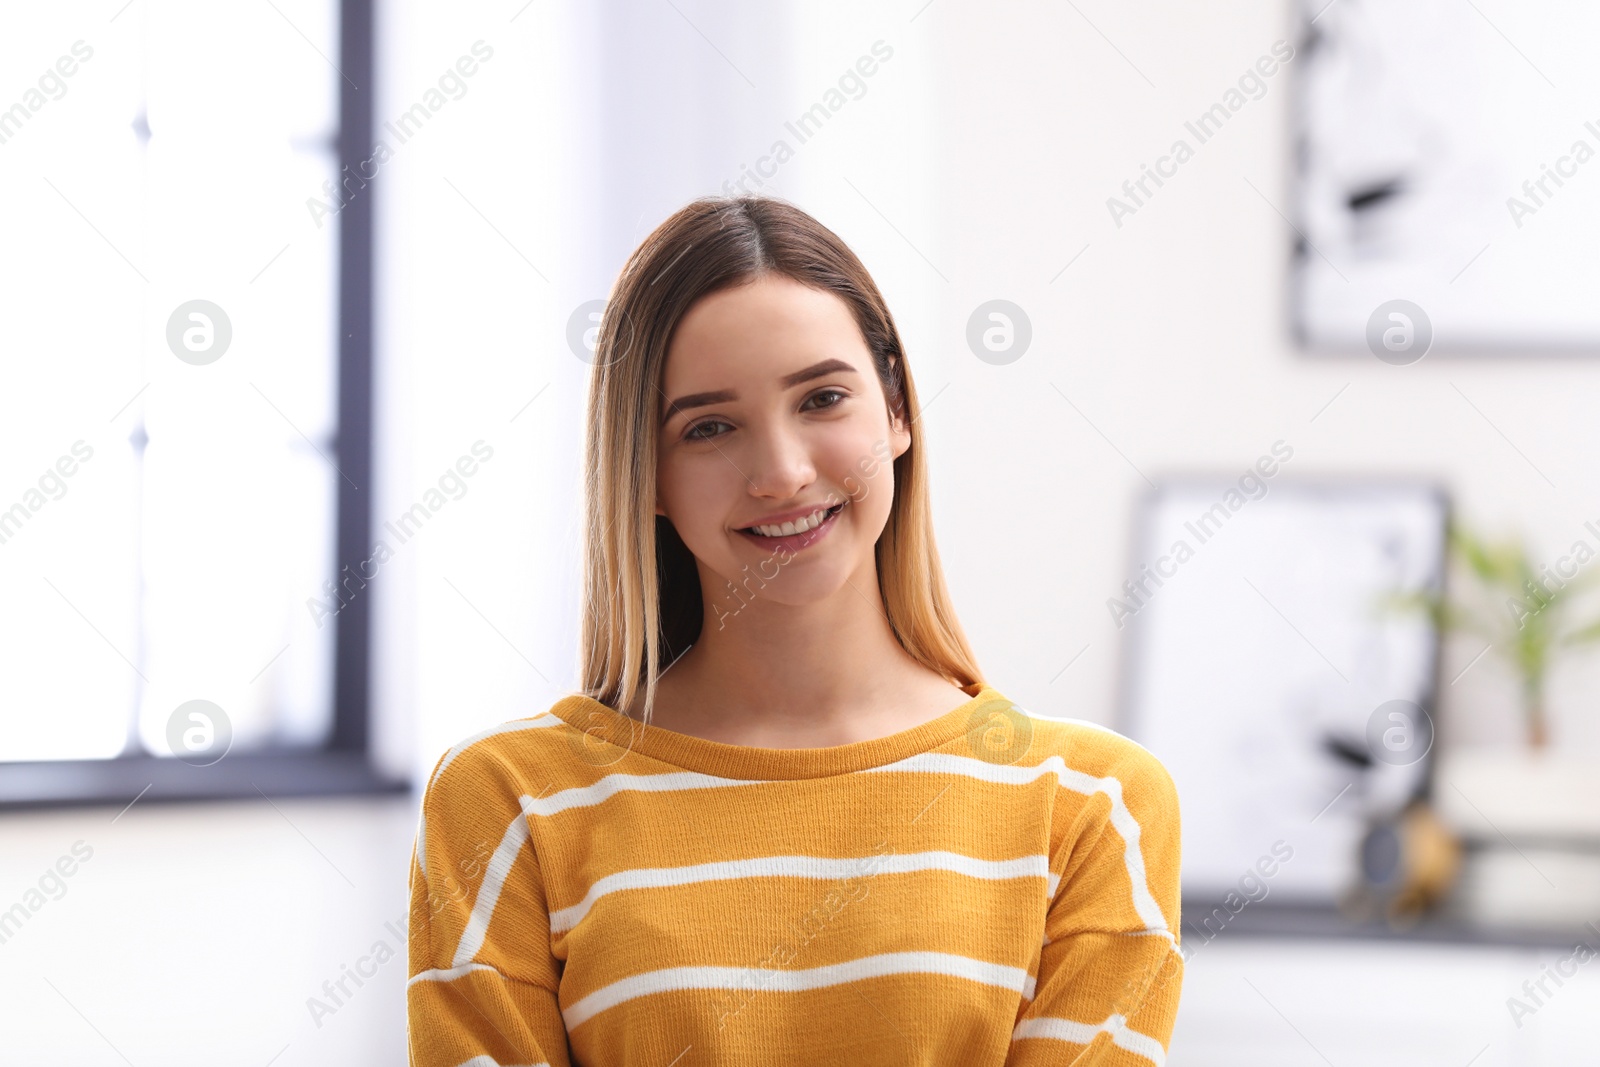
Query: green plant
[1531,622]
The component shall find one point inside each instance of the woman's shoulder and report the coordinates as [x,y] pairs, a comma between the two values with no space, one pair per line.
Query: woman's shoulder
[1093,755]
[1114,783]
[511,751]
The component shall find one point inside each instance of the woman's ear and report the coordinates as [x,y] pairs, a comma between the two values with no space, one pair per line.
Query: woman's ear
[899,436]
[899,427]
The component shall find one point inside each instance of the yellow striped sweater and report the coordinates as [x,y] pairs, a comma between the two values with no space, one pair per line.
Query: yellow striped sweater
[990,887]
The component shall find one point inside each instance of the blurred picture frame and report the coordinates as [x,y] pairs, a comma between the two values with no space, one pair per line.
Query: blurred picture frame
[1265,671]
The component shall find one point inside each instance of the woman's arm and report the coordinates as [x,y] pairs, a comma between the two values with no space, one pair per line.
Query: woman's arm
[482,985]
[1110,971]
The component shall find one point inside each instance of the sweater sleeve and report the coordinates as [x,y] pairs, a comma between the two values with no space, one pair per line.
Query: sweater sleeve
[482,985]
[1110,971]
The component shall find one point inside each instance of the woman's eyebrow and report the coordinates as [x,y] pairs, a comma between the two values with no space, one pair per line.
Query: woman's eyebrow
[789,381]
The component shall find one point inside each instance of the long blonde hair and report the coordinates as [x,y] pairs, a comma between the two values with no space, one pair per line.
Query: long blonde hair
[642,601]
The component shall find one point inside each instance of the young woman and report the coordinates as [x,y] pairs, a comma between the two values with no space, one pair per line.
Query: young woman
[785,820]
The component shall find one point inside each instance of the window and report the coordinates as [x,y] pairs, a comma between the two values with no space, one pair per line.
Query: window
[185,490]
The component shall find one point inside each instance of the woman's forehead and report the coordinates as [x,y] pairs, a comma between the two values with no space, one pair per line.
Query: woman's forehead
[759,337]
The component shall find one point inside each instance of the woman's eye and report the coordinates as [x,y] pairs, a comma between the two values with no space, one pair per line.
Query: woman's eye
[829,392]
[693,433]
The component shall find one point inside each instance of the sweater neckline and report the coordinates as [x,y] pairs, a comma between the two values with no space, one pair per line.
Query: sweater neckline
[752,762]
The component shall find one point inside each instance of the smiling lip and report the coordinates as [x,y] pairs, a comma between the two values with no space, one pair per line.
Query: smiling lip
[795,542]
[792,515]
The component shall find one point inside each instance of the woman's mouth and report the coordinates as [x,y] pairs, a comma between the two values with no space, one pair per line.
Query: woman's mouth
[802,534]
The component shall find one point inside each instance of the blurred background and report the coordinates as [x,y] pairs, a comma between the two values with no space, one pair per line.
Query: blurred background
[1256,353]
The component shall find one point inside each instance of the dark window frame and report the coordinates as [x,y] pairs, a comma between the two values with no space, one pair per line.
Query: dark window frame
[343,764]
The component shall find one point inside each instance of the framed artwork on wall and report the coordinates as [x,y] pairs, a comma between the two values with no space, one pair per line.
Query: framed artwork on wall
[1446,182]
[1267,669]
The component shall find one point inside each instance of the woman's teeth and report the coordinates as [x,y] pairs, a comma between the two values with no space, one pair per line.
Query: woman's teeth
[810,522]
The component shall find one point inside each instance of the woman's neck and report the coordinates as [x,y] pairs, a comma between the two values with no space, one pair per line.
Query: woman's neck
[800,676]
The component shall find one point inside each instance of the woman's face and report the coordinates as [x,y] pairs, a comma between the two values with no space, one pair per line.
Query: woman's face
[772,410]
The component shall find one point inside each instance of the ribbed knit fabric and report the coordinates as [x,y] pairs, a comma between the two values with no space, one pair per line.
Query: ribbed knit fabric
[988,888]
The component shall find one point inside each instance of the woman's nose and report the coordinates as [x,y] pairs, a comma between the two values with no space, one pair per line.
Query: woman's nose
[781,465]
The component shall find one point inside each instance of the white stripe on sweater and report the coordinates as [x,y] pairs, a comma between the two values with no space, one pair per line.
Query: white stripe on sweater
[817,867]
[1083,1033]
[589,795]
[494,880]
[447,974]
[795,981]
